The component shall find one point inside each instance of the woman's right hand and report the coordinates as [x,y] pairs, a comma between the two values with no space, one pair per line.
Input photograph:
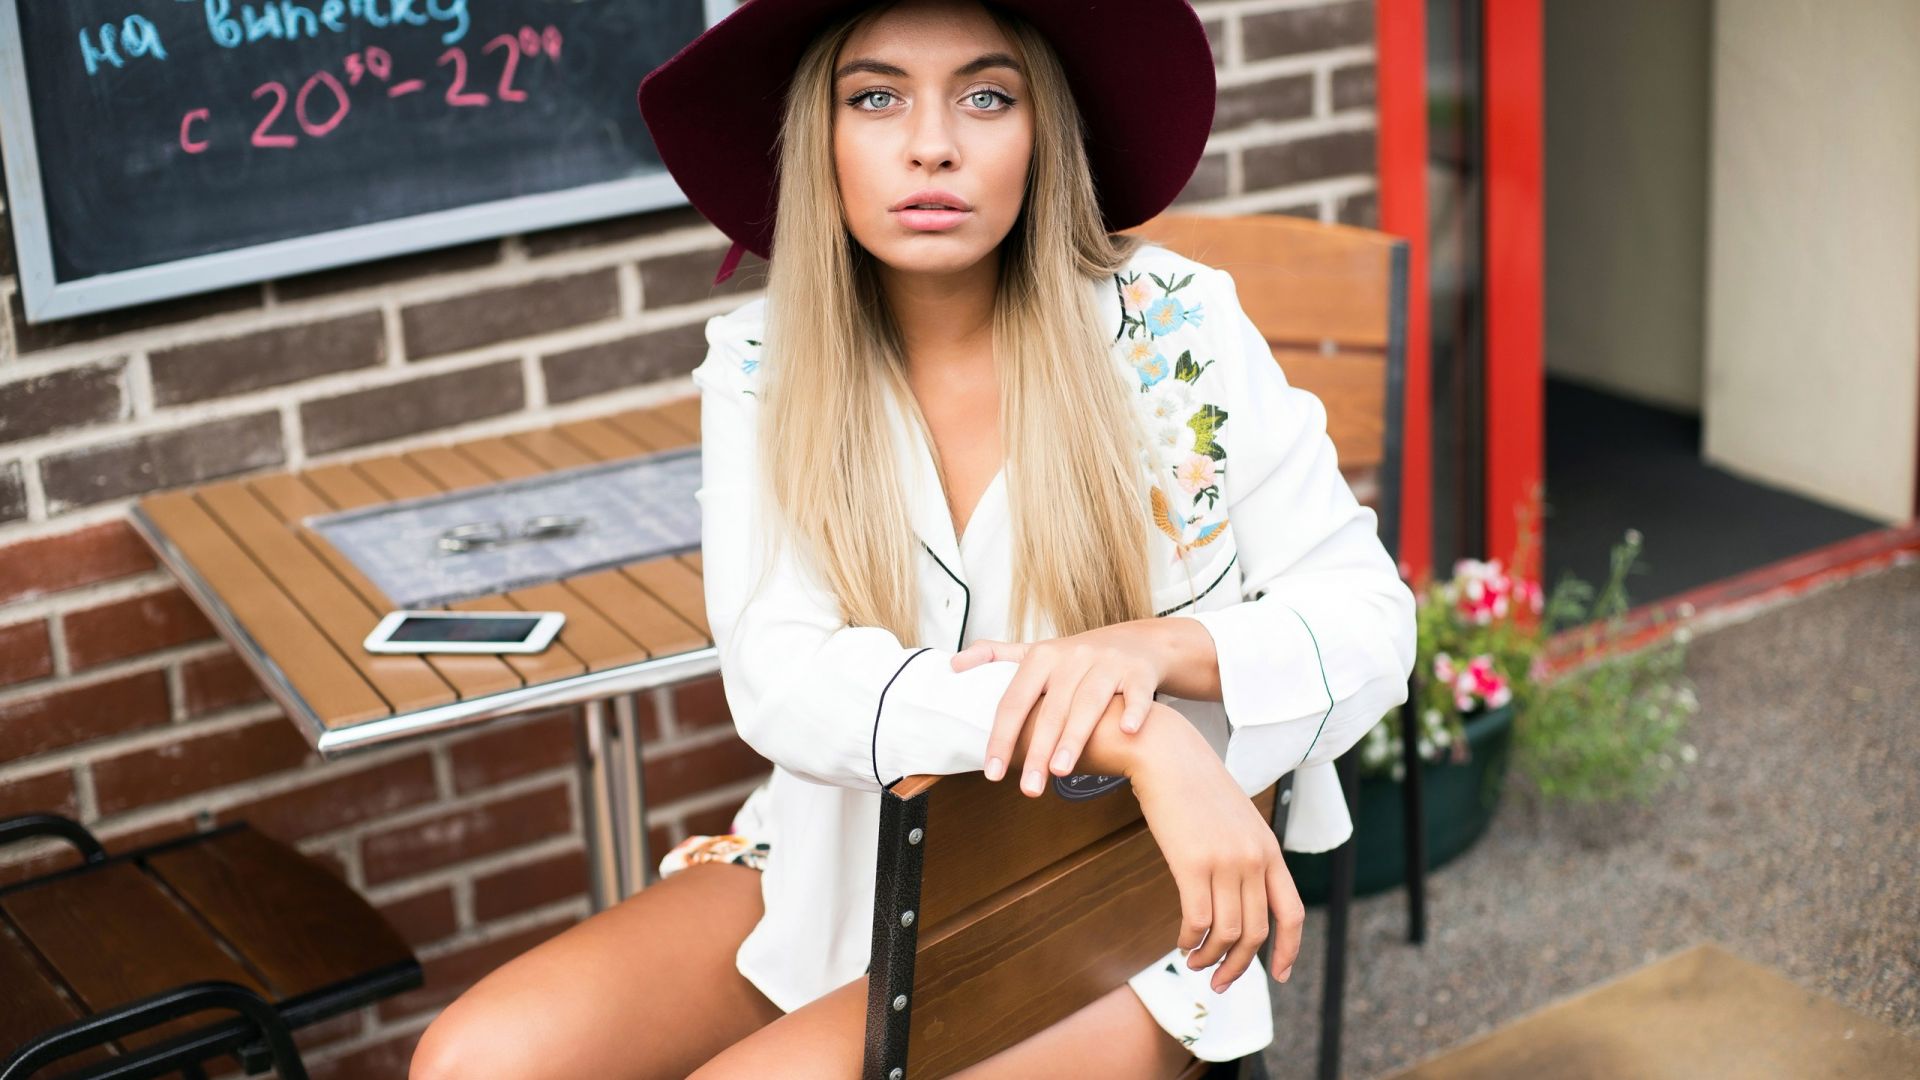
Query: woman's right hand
[1222,851]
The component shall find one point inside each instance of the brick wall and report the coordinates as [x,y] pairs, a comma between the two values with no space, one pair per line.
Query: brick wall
[120,705]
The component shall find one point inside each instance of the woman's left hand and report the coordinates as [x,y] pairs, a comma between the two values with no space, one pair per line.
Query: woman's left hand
[1072,679]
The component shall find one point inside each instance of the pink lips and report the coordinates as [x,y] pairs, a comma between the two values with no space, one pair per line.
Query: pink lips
[931,220]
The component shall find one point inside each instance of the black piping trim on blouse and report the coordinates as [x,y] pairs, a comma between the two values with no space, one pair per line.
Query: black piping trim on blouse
[875,750]
[966,603]
[1205,591]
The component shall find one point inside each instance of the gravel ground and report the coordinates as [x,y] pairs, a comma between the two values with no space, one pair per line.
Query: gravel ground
[1793,841]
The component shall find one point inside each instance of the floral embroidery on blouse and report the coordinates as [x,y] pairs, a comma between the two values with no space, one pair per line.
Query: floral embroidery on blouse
[1184,429]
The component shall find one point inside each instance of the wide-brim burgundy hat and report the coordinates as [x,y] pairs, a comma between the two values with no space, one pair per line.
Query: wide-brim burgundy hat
[1141,72]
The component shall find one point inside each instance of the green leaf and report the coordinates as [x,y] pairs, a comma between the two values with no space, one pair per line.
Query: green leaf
[1204,423]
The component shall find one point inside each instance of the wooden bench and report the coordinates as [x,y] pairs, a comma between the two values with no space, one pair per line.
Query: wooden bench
[996,914]
[112,963]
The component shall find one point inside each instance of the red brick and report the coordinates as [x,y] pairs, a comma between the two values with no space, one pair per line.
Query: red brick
[79,713]
[339,795]
[448,976]
[219,681]
[26,652]
[701,704]
[702,768]
[51,564]
[334,1029]
[47,792]
[424,917]
[466,834]
[521,888]
[198,763]
[136,625]
[381,1061]
[492,757]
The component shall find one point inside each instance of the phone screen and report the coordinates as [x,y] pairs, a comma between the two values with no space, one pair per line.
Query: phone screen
[454,628]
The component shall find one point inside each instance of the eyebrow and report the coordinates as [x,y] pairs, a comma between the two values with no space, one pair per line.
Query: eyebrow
[881,67]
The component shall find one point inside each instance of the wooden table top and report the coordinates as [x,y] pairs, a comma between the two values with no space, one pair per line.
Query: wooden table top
[297,611]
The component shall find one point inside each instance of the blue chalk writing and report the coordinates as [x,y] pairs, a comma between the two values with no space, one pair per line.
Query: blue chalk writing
[290,20]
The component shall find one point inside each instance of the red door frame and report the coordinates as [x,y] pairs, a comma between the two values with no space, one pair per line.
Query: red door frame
[1514,264]
[1515,275]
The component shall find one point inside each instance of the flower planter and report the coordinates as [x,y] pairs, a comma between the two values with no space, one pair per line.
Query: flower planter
[1460,801]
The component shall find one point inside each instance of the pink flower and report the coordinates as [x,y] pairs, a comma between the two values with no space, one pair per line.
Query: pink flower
[1195,474]
[1135,296]
[1480,681]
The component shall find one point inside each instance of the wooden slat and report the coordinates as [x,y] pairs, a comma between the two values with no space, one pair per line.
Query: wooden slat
[30,1003]
[298,925]
[1040,950]
[406,682]
[502,458]
[677,586]
[651,428]
[1353,387]
[113,935]
[550,449]
[331,686]
[1299,281]
[638,613]
[601,439]
[295,496]
[683,413]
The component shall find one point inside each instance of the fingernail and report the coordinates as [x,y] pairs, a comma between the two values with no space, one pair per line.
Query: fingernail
[996,768]
[1031,785]
[1129,726]
[1062,759]
[1284,974]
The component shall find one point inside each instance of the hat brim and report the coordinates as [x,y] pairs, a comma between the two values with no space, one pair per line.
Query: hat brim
[1141,72]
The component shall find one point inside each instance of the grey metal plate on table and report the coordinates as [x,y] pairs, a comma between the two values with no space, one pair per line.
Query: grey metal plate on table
[628,511]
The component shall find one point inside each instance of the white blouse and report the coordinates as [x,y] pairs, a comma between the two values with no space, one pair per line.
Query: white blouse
[1313,627]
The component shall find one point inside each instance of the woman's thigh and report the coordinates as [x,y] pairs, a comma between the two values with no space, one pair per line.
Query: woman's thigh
[644,989]
[1113,1037]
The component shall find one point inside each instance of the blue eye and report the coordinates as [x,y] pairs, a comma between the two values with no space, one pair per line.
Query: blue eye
[864,95]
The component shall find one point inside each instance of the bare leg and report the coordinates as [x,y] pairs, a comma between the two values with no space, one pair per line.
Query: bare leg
[646,989]
[1113,1037]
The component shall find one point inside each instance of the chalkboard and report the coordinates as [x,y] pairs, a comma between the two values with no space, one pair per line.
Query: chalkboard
[161,147]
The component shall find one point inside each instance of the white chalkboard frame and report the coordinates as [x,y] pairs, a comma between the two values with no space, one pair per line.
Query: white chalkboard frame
[43,298]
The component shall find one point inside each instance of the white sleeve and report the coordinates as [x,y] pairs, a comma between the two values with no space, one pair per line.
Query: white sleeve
[1320,647]
[834,704]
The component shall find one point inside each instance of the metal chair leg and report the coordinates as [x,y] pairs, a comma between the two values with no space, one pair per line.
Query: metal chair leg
[1413,809]
[1339,904]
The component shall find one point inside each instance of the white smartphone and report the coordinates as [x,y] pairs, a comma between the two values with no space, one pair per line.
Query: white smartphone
[464,631]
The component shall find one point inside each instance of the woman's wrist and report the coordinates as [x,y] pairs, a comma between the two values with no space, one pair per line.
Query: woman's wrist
[1110,751]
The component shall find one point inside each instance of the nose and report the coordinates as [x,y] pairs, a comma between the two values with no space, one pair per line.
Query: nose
[930,140]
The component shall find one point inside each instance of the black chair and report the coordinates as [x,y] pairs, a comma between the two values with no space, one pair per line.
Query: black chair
[112,962]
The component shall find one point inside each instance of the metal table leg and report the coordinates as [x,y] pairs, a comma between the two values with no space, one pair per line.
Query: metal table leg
[596,805]
[631,801]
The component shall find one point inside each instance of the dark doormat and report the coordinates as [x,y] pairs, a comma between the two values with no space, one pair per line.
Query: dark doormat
[1700,1012]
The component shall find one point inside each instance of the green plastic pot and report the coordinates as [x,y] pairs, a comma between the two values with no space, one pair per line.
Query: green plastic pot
[1460,802]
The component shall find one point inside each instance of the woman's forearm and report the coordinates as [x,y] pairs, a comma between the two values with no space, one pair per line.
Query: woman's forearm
[1110,751]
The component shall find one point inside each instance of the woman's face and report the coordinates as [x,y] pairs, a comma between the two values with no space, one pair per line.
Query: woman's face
[929,97]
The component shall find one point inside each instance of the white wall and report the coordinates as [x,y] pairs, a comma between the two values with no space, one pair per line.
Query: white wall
[1813,295]
[1626,188]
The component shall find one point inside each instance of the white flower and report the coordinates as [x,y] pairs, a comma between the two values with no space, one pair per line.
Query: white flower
[1170,400]
[1633,536]
[1683,634]
[1174,437]
[1687,753]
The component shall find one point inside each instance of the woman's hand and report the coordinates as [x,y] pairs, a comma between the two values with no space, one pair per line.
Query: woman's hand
[1223,854]
[1072,679]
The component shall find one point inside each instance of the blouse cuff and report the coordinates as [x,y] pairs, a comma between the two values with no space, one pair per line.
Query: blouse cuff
[932,719]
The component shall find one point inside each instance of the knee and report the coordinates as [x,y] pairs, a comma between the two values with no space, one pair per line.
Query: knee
[468,1041]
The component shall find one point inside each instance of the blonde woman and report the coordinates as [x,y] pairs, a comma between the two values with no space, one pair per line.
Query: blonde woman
[987,488]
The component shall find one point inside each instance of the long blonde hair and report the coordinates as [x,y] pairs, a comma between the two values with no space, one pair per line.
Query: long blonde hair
[1074,478]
